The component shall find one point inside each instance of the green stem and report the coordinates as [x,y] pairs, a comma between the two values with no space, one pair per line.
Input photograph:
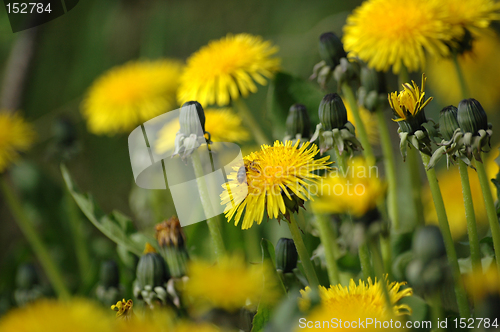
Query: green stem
[461,77]
[385,247]
[53,273]
[415,185]
[379,271]
[81,249]
[365,259]
[403,76]
[412,165]
[360,126]
[475,252]
[213,222]
[329,241]
[252,240]
[341,161]
[490,208]
[303,254]
[463,304]
[390,170]
[249,120]
[436,309]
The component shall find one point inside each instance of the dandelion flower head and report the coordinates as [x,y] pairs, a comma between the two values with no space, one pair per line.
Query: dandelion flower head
[226,69]
[231,284]
[16,135]
[357,301]
[128,95]
[273,175]
[356,191]
[394,33]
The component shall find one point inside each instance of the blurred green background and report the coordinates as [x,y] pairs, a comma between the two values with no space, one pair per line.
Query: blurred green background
[75,49]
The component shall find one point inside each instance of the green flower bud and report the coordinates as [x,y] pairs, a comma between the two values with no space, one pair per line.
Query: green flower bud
[448,122]
[331,49]
[298,121]
[109,274]
[471,116]
[27,276]
[286,255]
[414,273]
[191,117]
[292,205]
[428,244]
[400,264]
[372,80]
[152,271]
[332,112]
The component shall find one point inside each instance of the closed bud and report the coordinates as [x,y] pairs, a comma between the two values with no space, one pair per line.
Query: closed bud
[332,112]
[471,116]
[192,119]
[331,49]
[428,244]
[286,255]
[448,122]
[109,274]
[151,270]
[298,121]
[372,80]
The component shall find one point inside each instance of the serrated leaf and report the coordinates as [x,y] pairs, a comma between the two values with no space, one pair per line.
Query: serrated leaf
[116,226]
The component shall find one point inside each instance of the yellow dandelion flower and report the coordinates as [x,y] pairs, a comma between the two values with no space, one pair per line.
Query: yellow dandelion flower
[387,33]
[481,70]
[230,284]
[16,135]
[198,327]
[222,123]
[479,284]
[226,69]
[273,175]
[128,95]
[160,319]
[472,15]
[451,188]
[409,102]
[123,309]
[368,120]
[53,316]
[355,191]
[356,302]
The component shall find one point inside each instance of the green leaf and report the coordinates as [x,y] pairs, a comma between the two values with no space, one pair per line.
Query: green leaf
[261,318]
[286,90]
[116,226]
[268,256]
[263,315]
